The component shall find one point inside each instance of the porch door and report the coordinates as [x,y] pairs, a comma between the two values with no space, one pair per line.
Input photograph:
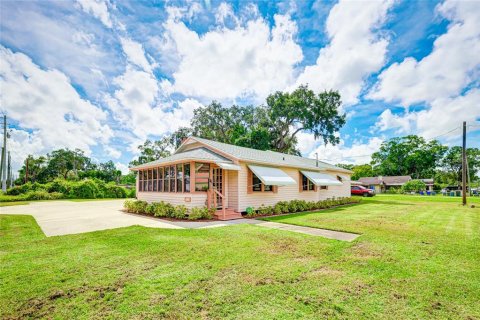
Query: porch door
[217,181]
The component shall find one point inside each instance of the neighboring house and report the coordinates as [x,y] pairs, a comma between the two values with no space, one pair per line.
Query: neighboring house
[383,183]
[231,178]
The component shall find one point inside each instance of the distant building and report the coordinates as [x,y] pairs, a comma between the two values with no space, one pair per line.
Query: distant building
[383,183]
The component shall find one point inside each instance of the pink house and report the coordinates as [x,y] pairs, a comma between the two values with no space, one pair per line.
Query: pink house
[231,178]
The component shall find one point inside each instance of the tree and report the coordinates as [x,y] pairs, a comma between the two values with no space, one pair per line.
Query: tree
[36,169]
[153,150]
[359,171]
[303,110]
[414,185]
[409,155]
[63,161]
[273,126]
[452,163]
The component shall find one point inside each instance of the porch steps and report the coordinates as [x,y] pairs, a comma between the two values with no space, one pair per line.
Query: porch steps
[230,214]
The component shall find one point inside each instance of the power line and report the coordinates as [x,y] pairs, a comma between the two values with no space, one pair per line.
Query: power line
[366,155]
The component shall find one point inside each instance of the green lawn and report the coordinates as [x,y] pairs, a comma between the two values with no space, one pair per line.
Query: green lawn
[416,258]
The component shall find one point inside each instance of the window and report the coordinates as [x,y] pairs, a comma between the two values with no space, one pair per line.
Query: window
[307,184]
[155,179]
[258,186]
[180,177]
[145,187]
[186,180]
[166,183]
[150,171]
[140,180]
[202,174]
[323,188]
[172,178]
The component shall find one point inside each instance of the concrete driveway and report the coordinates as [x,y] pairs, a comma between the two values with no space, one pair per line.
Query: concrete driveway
[57,218]
[68,217]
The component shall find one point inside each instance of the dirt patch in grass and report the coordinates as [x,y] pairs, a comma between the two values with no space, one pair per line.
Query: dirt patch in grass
[43,307]
[365,251]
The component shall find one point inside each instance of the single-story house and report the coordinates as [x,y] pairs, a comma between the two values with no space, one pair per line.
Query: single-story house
[383,183]
[230,178]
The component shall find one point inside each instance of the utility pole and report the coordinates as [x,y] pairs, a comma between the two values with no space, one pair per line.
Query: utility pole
[26,170]
[4,155]
[464,165]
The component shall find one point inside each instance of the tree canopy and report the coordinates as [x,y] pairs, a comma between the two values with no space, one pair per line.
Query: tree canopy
[67,164]
[272,126]
[409,155]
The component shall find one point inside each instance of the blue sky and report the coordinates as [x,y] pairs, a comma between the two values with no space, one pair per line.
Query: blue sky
[103,76]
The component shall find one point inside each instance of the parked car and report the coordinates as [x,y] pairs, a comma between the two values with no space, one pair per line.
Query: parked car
[362,191]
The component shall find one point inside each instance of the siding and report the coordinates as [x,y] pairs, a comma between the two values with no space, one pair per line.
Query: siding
[286,193]
[197,199]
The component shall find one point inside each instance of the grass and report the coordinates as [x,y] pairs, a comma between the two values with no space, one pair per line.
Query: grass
[13,203]
[416,258]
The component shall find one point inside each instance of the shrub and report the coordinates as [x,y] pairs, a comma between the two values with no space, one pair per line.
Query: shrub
[265,210]
[135,206]
[414,185]
[197,213]
[163,209]
[180,212]
[86,189]
[40,195]
[131,193]
[277,208]
[17,190]
[59,185]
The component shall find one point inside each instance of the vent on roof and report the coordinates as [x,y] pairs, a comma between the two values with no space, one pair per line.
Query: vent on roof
[283,158]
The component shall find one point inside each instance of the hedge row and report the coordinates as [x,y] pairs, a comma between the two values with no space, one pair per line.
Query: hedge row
[59,188]
[167,210]
[293,206]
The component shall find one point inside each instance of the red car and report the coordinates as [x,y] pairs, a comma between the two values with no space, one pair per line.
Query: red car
[362,191]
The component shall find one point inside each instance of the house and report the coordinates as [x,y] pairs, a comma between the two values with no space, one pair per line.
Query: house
[383,183]
[231,178]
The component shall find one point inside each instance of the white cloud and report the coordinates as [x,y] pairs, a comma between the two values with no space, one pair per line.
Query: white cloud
[64,41]
[453,63]
[356,49]
[439,80]
[112,152]
[436,120]
[250,60]
[97,8]
[47,107]
[358,153]
[135,54]
[122,167]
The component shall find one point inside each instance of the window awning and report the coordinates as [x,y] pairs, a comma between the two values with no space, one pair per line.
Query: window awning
[321,179]
[228,166]
[272,176]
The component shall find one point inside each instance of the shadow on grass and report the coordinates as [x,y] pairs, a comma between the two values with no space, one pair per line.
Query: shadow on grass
[399,202]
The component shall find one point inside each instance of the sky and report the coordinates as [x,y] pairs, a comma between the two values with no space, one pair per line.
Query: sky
[104,76]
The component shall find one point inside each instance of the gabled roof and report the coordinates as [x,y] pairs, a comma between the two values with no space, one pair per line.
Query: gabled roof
[386,180]
[396,180]
[197,154]
[262,157]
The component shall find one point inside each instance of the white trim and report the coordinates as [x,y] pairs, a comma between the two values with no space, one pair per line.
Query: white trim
[321,179]
[272,176]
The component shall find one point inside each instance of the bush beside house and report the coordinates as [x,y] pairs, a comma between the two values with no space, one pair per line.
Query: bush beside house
[167,210]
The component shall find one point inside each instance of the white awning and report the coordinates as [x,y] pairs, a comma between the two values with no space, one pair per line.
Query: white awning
[272,176]
[321,179]
[228,166]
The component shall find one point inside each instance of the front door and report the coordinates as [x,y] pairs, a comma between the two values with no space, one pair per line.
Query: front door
[217,181]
